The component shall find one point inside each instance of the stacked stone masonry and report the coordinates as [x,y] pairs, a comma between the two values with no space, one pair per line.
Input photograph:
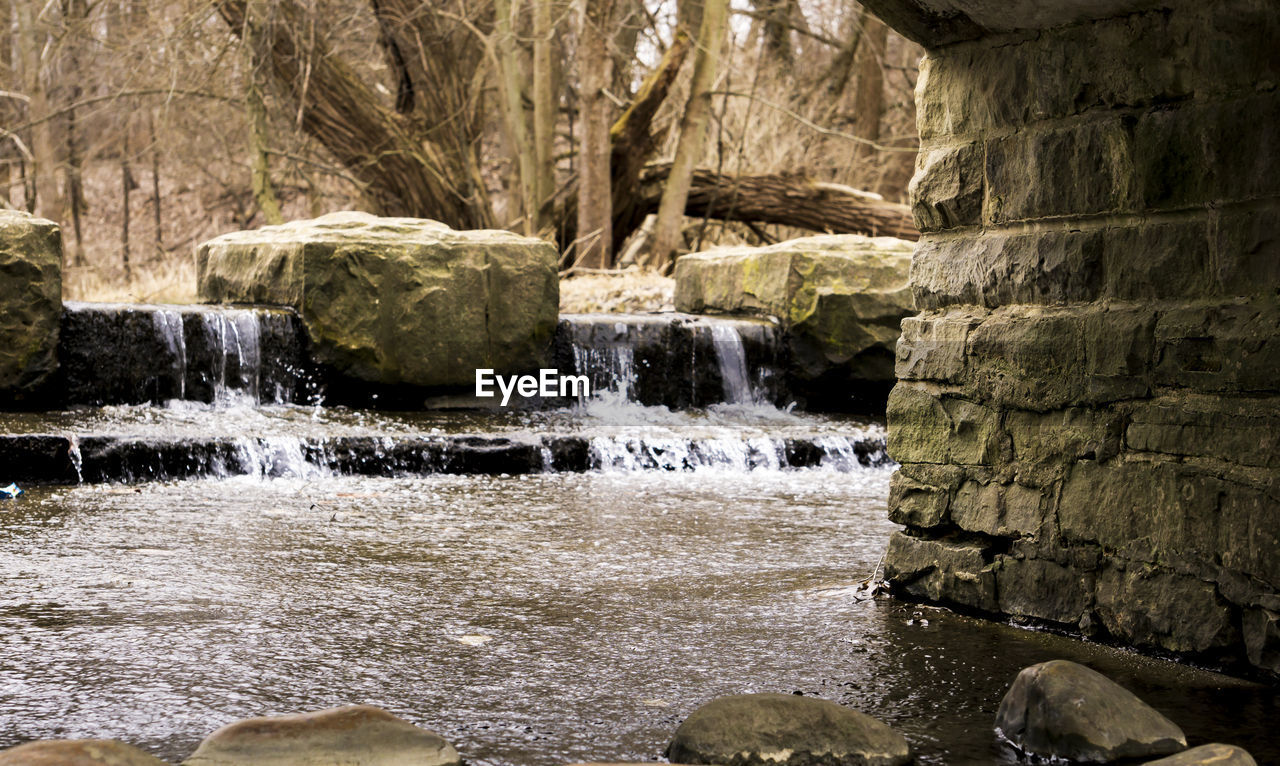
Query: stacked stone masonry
[1088,406]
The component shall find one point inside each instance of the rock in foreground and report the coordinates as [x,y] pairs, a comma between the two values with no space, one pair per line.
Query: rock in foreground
[1065,710]
[396,300]
[30,302]
[785,729]
[77,752]
[1216,754]
[356,734]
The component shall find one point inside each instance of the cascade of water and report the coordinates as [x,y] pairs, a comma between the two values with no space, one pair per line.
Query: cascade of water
[608,362]
[236,355]
[732,358]
[77,460]
[726,453]
[169,326]
[273,457]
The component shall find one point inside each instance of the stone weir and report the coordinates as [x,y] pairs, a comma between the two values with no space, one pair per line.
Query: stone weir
[134,354]
[671,359]
[58,459]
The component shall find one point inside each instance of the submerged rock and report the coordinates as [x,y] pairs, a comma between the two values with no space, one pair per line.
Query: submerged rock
[397,300]
[1216,754]
[77,752]
[30,302]
[785,729]
[354,734]
[1061,709]
[841,298]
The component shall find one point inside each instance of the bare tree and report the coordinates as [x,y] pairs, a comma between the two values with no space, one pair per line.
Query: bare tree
[594,243]
[419,158]
[693,129]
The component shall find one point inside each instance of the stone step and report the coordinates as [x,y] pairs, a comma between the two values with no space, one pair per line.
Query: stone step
[59,459]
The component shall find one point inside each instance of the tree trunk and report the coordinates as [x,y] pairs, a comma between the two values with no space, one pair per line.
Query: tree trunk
[782,199]
[264,192]
[776,23]
[155,184]
[126,186]
[42,199]
[420,159]
[835,78]
[693,129]
[9,111]
[544,114]
[593,246]
[75,15]
[869,99]
[512,81]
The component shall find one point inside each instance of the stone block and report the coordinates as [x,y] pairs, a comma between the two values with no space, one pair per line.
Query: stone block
[926,426]
[1029,357]
[1202,153]
[946,190]
[1249,532]
[1242,430]
[1261,628]
[998,510]
[1161,609]
[1065,436]
[735,282]
[1083,169]
[1233,46]
[1154,261]
[1044,590]
[30,302]
[932,346]
[841,299]
[1119,349]
[948,477]
[1149,511]
[915,504]
[941,571]
[397,300]
[1246,251]
[1123,62]
[1228,347]
[993,269]
[1139,262]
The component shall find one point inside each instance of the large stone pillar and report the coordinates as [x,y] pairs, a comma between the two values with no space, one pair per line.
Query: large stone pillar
[1088,408]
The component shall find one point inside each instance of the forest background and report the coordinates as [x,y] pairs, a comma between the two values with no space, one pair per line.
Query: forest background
[629,131]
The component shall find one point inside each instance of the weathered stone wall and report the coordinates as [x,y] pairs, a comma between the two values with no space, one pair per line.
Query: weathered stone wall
[1088,408]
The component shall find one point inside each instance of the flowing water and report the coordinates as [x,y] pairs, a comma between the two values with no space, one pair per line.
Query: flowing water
[539,619]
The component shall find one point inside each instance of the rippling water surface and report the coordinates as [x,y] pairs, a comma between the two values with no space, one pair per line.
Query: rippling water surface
[536,620]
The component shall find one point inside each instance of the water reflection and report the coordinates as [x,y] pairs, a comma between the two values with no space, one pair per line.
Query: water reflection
[610,605]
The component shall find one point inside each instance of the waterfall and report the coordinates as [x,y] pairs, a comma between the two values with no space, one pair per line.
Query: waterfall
[169,326]
[673,360]
[609,367]
[132,354]
[237,356]
[732,356]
